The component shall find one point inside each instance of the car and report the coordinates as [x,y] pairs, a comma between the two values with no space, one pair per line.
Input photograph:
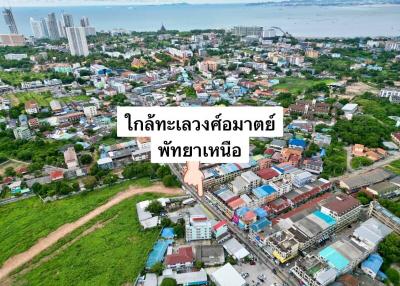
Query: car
[252,262]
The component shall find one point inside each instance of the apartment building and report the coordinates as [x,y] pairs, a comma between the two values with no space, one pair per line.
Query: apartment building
[198,228]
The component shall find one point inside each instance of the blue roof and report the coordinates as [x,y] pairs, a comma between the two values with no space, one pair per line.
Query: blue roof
[260,224]
[229,168]
[242,211]
[168,232]
[260,212]
[373,262]
[298,142]
[334,258]
[322,153]
[263,191]
[327,218]
[158,252]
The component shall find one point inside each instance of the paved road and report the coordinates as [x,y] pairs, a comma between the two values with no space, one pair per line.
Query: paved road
[16,199]
[384,162]
[238,233]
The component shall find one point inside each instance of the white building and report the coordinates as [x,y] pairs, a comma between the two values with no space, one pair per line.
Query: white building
[15,57]
[227,276]
[198,227]
[22,133]
[349,110]
[90,111]
[37,28]
[77,41]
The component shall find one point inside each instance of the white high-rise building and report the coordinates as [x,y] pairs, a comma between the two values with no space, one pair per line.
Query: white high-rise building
[77,41]
[67,20]
[85,22]
[37,30]
[198,227]
[52,26]
[61,29]
[44,26]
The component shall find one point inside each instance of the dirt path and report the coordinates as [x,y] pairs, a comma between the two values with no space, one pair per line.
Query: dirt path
[20,259]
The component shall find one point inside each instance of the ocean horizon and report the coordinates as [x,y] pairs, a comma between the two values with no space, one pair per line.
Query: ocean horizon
[300,21]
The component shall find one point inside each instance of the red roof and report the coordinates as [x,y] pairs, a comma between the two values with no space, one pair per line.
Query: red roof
[396,135]
[250,215]
[199,219]
[219,224]
[267,174]
[342,204]
[269,151]
[56,175]
[183,255]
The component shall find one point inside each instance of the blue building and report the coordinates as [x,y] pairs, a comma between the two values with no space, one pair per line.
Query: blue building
[372,264]
[297,143]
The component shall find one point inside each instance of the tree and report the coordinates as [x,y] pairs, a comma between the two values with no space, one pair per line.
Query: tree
[110,179]
[359,162]
[393,276]
[168,282]
[311,150]
[9,172]
[171,181]
[78,147]
[363,198]
[89,182]
[157,268]
[155,207]
[199,264]
[389,248]
[86,159]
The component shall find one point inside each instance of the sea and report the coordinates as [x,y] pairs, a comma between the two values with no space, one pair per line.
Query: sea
[300,21]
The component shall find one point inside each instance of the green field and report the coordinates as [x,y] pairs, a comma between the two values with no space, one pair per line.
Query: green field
[43,98]
[298,85]
[112,255]
[394,167]
[24,222]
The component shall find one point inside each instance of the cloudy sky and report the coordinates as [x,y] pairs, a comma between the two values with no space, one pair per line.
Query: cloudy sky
[14,3]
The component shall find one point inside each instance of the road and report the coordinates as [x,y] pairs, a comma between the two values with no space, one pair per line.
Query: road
[381,163]
[44,243]
[237,233]
[16,199]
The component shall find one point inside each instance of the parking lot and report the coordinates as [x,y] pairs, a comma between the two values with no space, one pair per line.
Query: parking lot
[254,271]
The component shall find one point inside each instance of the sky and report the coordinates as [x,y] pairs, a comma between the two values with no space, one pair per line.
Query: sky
[15,3]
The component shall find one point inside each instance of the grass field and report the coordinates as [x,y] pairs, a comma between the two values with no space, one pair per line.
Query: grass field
[298,85]
[42,98]
[394,167]
[24,222]
[112,255]
[10,163]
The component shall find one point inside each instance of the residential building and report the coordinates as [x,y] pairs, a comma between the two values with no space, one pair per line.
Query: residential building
[37,28]
[210,255]
[243,31]
[15,57]
[396,138]
[198,228]
[372,265]
[181,259]
[349,110]
[90,111]
[31,107]
[343,208]
[70,158]
[313,165]
[10,21]
[22,133]
[77,41]
[12,40]
[356,182]
[393,94]
[52,26]
[385,216]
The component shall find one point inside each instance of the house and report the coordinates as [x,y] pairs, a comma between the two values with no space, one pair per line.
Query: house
[31,107]
[297,144]
[183,258]
[349,110]
[22,133]
[56,175]
[220,228]
[277,145]
[210,255]
[70,158]
[314,165]
[372,265]
[396,138]
[357,150]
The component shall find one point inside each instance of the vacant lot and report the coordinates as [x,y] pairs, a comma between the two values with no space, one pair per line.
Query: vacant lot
[298,85]
[112,254]
[23,223]
[42,98]
[394,167]
[11,163]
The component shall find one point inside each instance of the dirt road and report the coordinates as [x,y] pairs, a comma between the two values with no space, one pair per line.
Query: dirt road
[20,259]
